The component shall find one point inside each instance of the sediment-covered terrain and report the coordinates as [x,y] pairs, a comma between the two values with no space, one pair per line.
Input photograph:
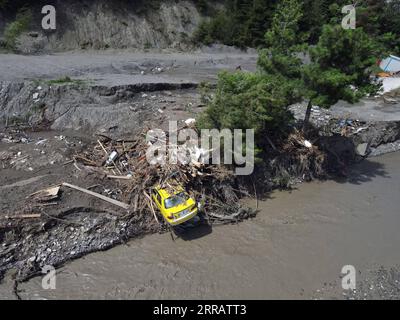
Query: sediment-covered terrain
[51,113]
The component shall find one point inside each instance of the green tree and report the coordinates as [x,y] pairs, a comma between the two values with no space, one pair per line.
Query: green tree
[251,100]
[14,29]
[3,3]
[341,67]
[390,27]
[317,15]
[257,23]
[369,16]
[260,100]
[244,23]
[283,42]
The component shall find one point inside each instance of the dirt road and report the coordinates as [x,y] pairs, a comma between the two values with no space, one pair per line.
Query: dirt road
[123,68]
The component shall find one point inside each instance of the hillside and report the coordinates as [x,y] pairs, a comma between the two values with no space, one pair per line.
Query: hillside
[105,24]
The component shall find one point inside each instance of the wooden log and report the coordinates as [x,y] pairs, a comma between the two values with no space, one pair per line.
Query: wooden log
[119,177]
[24,216]
[100,196]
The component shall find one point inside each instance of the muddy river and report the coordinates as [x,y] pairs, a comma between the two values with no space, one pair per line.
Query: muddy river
[295,248]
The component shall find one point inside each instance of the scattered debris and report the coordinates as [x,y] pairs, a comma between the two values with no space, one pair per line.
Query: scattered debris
[362,149]
[113,156]
[308,144]
[46,195]
[190,121]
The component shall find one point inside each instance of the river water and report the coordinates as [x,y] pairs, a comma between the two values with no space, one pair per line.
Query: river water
[295,248]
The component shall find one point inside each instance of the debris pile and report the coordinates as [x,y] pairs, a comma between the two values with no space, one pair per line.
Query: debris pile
[126,162]
[346,127]
[298,157]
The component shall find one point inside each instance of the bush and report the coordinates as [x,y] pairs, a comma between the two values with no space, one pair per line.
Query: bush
[218,29]
[14,29]
[3,3]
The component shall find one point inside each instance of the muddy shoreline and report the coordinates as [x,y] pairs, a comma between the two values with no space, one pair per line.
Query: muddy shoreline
[76,225]
[47,123]
[294,249]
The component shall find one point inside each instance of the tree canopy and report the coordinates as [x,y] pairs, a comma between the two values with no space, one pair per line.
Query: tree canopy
[341,66]
[244,23]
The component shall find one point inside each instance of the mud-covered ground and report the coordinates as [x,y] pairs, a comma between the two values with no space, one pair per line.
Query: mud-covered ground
[73,224]
[112,68]
[69,225]
[43,124]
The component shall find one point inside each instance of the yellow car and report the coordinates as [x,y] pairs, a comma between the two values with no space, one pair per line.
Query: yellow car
[176,208]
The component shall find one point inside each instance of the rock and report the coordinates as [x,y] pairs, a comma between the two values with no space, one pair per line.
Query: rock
[308,144]
[362,149]
[31,43]
[33,34]
[190,121]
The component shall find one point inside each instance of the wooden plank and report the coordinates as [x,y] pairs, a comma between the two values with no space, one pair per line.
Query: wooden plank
[97,195]
[24,216]
[119,177]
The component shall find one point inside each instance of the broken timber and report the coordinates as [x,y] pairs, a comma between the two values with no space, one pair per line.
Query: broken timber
[100,196]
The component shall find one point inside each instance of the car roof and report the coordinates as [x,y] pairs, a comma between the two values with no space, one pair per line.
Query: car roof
[165,194]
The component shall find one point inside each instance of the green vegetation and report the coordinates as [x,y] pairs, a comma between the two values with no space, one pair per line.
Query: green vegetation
[244,22]
[251,100]
[66,80]
[203,6]
[14,29]
[3,3]
[62,81]
[283,42]
[341,65]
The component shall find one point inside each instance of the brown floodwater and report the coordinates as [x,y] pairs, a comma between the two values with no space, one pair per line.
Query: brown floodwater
[295,248]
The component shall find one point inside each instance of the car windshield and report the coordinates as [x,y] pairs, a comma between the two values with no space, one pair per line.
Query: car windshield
[176,200]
